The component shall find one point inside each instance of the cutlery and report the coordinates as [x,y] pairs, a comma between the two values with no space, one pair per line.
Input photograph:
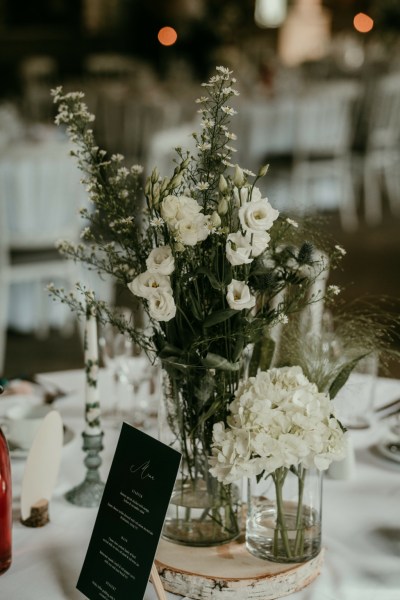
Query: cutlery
[388,405]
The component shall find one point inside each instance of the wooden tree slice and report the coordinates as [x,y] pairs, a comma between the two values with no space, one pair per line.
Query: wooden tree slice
[229,571]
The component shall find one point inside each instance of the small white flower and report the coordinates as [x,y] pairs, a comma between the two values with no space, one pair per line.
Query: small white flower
[341,250]
[157,222]
[228,110]
[334,289]
[292,223]
[202,185]
[282,318]
[239,296]
[204,146]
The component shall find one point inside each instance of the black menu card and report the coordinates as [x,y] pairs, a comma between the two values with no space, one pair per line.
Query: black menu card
[130,518]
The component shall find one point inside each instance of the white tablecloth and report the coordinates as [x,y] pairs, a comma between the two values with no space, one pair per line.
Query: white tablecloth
[361,518]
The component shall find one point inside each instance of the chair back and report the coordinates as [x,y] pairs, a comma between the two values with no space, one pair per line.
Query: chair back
[325,120]
[383,125]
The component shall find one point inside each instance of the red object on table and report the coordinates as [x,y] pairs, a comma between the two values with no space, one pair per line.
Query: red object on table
[5,506]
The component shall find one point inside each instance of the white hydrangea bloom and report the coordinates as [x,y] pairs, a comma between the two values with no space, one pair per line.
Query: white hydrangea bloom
[277,419]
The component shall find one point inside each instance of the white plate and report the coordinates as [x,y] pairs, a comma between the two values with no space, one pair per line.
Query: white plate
[383,448]
[23,453]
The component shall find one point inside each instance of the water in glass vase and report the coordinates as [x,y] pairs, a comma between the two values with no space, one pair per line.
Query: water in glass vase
[203,513]
[284,519]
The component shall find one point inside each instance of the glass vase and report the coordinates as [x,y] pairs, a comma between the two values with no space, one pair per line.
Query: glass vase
[202,511]
[284,515]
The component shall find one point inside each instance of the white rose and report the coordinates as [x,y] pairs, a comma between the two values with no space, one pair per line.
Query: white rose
[257,216]
[192,230]
[162,305]
[145,284]
[160,260]
[239,296]
[238,249]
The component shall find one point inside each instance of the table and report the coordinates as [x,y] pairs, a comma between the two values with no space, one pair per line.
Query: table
[361,517]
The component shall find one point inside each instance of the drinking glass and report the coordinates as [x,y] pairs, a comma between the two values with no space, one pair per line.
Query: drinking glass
[354,402]
[115,350]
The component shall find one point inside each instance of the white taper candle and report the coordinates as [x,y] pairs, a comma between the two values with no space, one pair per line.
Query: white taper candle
[91,356]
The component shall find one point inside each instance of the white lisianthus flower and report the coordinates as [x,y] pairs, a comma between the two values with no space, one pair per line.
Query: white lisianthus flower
[238,249]
[239,296]
[257,216]
[161,261]
[259,242]
[146,284]
[277,419]
[176,208]
[192,230]
[162,306]
[246,194]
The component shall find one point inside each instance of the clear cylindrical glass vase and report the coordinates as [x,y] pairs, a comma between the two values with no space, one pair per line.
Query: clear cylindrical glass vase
[284,515]
[202,511]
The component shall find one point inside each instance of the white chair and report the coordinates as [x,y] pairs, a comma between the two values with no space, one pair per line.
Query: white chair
[382,158]
[322,172]
[40,193]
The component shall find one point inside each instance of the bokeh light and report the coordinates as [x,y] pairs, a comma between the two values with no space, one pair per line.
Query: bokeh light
[167,36]
[363,23]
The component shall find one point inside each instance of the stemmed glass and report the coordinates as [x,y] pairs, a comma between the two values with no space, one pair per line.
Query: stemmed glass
[115,350]
[142,377]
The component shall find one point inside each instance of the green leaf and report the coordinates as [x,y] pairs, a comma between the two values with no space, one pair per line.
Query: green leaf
[217,285]
[195,306]
[215,361]
[219,317]
[169,351]
[343,375]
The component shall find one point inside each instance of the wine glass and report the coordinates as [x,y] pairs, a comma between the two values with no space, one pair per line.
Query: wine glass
[143,377]
[115,350]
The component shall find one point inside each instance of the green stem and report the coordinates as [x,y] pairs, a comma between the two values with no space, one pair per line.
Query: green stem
[279,479]
[299,542]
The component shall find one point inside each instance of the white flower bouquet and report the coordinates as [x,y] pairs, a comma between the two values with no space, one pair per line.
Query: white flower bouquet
[205,255]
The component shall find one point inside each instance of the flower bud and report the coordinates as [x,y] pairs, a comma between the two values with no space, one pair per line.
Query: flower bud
[155,175]
[222,186]
[164,184]
[215,219]
[238,176]
[222,206]
[263,170]
[176,181]
[147,187]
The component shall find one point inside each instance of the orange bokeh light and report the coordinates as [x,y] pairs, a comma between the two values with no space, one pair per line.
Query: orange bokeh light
[363,23]
[167,36]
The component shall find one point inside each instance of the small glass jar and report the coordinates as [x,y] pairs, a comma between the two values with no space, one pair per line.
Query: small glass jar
[284,515]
